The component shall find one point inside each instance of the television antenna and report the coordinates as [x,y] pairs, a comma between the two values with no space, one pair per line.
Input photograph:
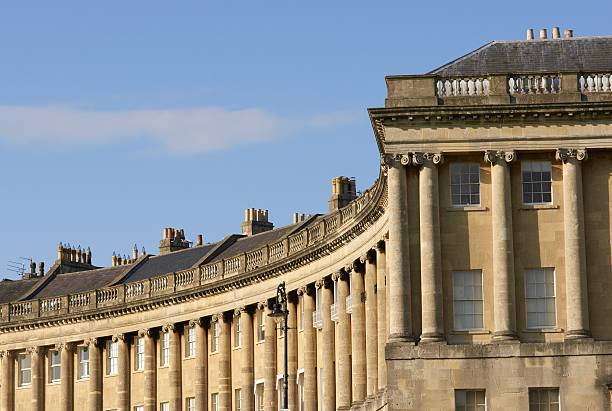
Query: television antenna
[19,267]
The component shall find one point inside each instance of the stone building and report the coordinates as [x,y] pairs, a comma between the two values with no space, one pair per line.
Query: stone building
[474,274]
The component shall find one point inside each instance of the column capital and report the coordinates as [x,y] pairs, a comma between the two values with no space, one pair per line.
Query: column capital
[145,332]
[340,275]
[68,346]
[34,350]
[119,337]
[566,154]
[242,309]
[356,266]
[323,283]
[5,353]
[420,159]
[195,321]
[307,289]
[495,156]
[369,256]
[380,245]
[169,328]
[394,160]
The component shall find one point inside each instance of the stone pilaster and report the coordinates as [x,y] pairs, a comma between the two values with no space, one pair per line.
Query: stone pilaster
[66,351]
[269,359]
[150,370]
[175,368]
[358,344]
[381,313]
[38,382]
[371,321]
[398,261]
[310,350]
[7,384]
[343,343]
[575,254]
[292,344]
[247,359]
[503,249]
[94,396]
[201,367]
[431,258]
[327,350]
[225,362]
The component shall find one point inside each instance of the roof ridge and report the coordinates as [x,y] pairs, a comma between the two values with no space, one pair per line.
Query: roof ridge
[465,56]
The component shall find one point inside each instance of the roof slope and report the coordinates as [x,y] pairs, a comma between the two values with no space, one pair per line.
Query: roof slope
[575,54]
[69,283]
[11,290]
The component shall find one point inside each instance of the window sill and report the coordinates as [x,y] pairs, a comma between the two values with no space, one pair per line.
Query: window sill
[164,366]
[470,332]
[191,357]
[214,352]
[539,207]
[110,375]
[58,382]
[82,379]
[24,387]
[467,208]
[260,342]
[236,348]
[138,372]
[543,330]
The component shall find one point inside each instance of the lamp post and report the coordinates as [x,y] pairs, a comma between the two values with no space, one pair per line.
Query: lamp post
[280,313]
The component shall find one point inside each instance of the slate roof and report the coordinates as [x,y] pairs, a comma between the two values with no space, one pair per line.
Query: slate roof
[68,283]
[11,290]
[576,54]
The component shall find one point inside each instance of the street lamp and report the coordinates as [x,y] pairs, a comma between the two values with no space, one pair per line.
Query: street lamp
[280,312]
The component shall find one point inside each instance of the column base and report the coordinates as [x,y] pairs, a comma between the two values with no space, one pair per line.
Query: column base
[343,408]
[504,336]
[431,338]
[400,338]
[577,334]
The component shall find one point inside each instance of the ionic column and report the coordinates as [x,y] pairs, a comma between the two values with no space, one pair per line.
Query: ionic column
[381,314]
[358,349]
[66,351]
[292,344]
[269,359]
[575,254]
[343,343]
[327,350]
[247,367]
[225,363]
[503,249]
[201,366]
[7,384]
[310,350]
[150,370]
[398,262]
[431,259]
[38,383]
[371,334]
[174,368]
[94,396]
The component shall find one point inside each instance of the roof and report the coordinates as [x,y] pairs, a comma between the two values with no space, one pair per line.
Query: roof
[76,282]
[576,54]
[11,290]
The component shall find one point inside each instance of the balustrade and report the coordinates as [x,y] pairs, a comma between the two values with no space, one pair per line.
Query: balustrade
[159,284]
[50,304]
[255,259]
[107,294]
[472,86]
[78,300]
[21,309]
[298,241]
[133,290]
[595,83]
[534,84]
[209,272]
[277,251]
[184,278]
[331,223]
[232,265]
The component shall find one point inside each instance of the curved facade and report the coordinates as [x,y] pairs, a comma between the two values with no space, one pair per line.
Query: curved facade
[474,274]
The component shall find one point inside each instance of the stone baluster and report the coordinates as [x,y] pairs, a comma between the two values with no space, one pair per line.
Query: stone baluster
[431,258]
[381,311]
[174,367]
[201,366]
[327,349]
[310,350]
[150,369]
[7,384]
[292,343]
[123,372]
[398,262]
[371,335]
[66,351]
[94,397]
[38,384]
[358,345]
[503,249]
[343,343]
[225,362]
[247,359]
[575,254]
[269,358]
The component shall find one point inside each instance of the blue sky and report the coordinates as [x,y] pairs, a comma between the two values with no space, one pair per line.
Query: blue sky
[120,118]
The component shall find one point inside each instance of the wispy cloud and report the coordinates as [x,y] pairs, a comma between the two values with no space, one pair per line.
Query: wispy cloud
[197,129]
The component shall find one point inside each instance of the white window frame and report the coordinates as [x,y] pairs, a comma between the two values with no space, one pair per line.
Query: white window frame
[301,327]
[190,343]
[83,368]
[546,297]
[237,331]
[112,358]
[459,298]
[238,399]
[299,380]
[190,404]
[164,406]
[139,357]
[22,369]
[138,407]
[214,337]
[279,390]
[214,401]
[55,366]
[261,325]
[456,170]
[164,349]
[527,166]
[259,397]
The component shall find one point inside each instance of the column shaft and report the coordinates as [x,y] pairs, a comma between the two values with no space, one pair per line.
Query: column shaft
[358,349]
[269,361]
[310,354]
[7,385]
[94,397]
[327,351]
[123,375]
[201,367]
[503,249]
[575,254]
[67,377]
[343,345]
[398,261]
[371,335]
[247,367]
[175,370]
[38,383]
[150,372]
[381,310]
[292,357]
[225,365]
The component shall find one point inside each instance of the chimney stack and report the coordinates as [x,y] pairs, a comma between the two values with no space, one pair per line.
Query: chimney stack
[344,190]
[199,241]
[568,33]
[529,34]
[173,240]
[41,269]
[556,33]
[543,34]
[256,221]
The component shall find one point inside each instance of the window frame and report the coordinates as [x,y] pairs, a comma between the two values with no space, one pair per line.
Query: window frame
[459,166]
[214,401]
[545,270]
[259,396]
[301,302]
[139,356]
[531,390]
[54,367]
[112,358]
[81,375]
[164,349]
[455,301]
[190,343]
[238,399]
[474,391]
[190,404]
[261,325]
[164,406]
[237,331]
[524,165]
[214,337]
[21,369]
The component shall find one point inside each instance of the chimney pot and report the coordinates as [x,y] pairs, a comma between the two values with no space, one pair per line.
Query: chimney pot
[529,34]
[543,34]
[568,33]
[556,33]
